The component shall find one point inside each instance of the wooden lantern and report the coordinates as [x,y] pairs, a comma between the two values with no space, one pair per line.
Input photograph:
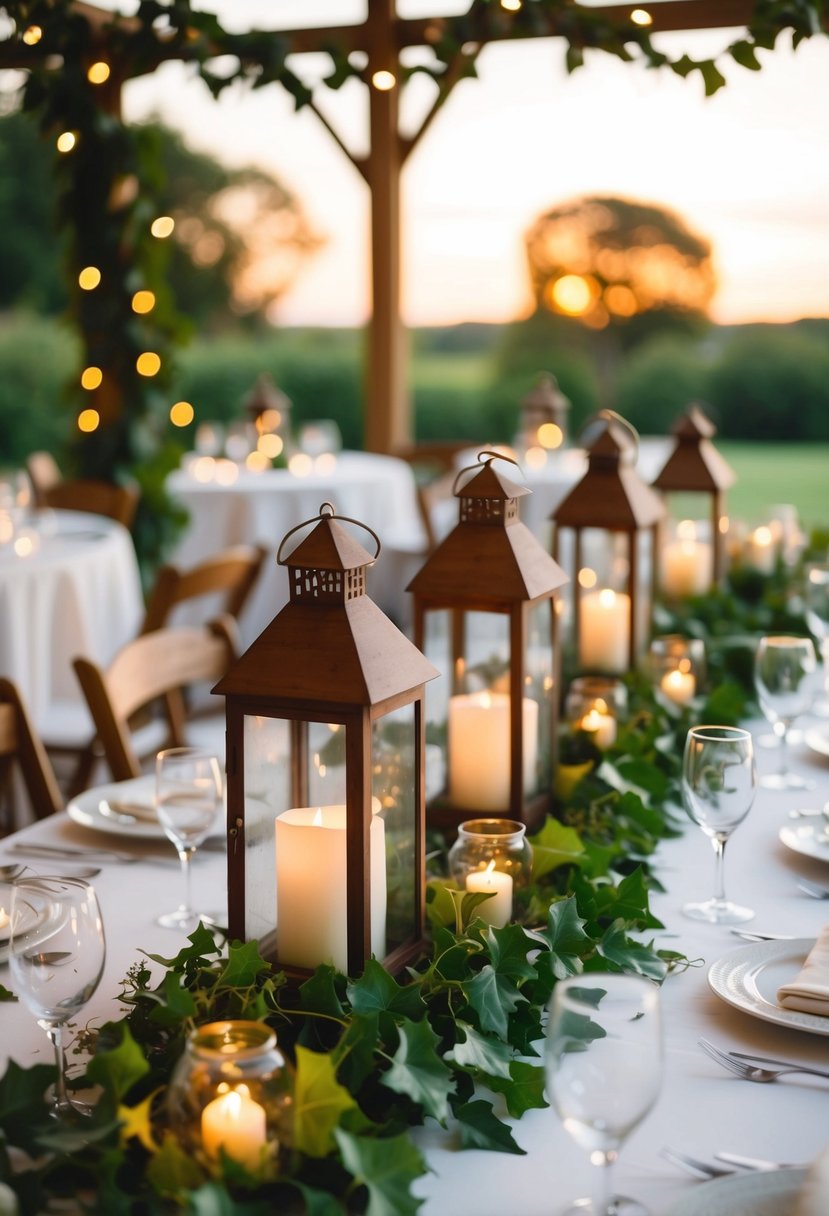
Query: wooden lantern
[544,413]
[695,466]
[325,762]
[484,612]
[612,584]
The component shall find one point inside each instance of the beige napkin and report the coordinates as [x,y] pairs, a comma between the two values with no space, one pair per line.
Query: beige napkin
[808,992]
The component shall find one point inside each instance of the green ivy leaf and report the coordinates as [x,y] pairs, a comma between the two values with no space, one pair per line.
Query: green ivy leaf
[378,992]
[118,1069]
[475,1051]
[202,944]
[178,1003]
[354,1054]
[564,934]
[212,1199]
[319,993]
[481,1128]
[317,1203]
[418,1072]
[713,77]
[493,997]
[644,775]
[630,956]
[22,1109]
[555,845]
[508,949]
[244,964]
[319,1102]
[387,1168]
[171,1170]
[6,995]
[523,1089]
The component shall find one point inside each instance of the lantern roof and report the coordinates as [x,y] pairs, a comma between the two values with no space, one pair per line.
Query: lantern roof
[328,547]
[694,464]
[546,397]
[611,494]
[489,482]
[266,396]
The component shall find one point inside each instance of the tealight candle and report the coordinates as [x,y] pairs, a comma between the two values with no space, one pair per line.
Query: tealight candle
[604,630]
[497,910]
[679,686]
[602,725]
[235,1123]
[479,749]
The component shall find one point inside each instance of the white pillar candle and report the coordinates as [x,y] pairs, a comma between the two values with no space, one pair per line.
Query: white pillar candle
[479,749]
[311,869]
[678,686]
[496,911]
[603,726]
[759,550]
[686,568]
[604,630]
[236,1123]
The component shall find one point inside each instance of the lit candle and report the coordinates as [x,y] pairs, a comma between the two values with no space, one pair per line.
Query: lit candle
[479,749]
[679,686]
[236,1123]
[602,725]
[686,568]
[497,910]
[311,918]
[604,630]
[760,550]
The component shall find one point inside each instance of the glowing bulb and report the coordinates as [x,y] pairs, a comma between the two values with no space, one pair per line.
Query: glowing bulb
[587,578]
[89,278]
[32,35]
[257,462]
[550,436]
[182,413]
[384,81]
[162,226]
[512,6]
[143,301]
[148,363]
[91,377]
[270,445]
[98,73]
[88,420]
[66,141]
[641,16]
[301,464]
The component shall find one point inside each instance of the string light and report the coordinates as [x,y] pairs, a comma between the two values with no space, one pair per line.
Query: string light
[32,35]
[182,413]
[66,141]
[641,16]
[162,226]
[384,81]
[88,420]
[89,278]
[143,301]
[98,73]
[148,363]
[91,378]
[512,6]
[270,445]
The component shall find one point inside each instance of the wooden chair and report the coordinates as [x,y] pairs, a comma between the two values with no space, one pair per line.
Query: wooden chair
[231,574]
[98,497]
[20,743]
[141,674]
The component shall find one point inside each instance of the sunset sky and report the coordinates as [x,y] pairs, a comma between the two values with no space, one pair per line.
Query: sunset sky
[748,168]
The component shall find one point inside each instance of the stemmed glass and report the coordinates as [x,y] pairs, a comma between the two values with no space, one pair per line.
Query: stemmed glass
[784,671]
[719,781]
[816,598]
[56,956]
[188,792]
[604,1071]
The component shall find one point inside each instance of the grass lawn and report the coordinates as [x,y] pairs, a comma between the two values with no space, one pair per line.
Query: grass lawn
[770,473]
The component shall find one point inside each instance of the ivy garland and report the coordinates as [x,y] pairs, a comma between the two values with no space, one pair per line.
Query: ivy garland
[110,175]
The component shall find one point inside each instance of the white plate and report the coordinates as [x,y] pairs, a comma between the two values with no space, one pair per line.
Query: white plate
[807,839]
[770,1193]
[97,808]
[818,741]
[748,979]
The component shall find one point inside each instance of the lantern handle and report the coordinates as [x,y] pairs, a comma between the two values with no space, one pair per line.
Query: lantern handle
[329,514]
[492,456]
[609,415]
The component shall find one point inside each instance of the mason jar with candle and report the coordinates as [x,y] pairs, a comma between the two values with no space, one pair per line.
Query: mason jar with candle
[231,1094]
[493,857]
[676,665]
[596,705]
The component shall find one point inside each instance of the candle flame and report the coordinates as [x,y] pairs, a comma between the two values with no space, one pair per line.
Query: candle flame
[686,529]
[489,868]
[607,598]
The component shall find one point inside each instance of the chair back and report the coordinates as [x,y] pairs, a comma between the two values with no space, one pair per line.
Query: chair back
[143,672]
[231,573]
[98,497]
[19,742]
[44,474]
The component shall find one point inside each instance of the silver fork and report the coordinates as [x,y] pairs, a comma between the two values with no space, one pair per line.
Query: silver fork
[700,1169]
[812,888]
[750,1072]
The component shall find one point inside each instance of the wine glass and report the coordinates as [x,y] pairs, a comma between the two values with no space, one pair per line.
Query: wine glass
[719,781]
[784,672]
[56,956]
[188,791]
[816,598]
[604,1071]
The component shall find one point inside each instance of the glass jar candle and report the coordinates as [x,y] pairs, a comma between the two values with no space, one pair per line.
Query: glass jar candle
[492,856]
[596,705]
[231,1093]
[677,667]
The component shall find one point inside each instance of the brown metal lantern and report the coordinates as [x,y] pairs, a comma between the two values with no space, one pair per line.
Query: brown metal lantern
[695,466]
[325,769]
[484,613]
[544,411]
[612,583]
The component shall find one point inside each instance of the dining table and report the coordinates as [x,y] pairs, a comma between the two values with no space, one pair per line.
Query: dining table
[725,993]
[229,504]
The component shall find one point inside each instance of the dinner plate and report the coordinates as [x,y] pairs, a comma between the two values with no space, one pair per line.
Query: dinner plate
[817,741]
[807,839]
[124,808]
[766,1193]
[748,979]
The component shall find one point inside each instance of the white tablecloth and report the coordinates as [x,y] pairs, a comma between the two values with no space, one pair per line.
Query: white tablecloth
[77,592]
[260,508]
[702,1109]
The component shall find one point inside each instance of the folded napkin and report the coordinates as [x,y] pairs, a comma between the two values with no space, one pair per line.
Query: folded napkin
[808,992]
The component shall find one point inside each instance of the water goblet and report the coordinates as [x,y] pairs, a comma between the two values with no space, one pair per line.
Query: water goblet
[719,781]
[188,792]
[784,677]
[603,1063]
[56,957]
[816,598]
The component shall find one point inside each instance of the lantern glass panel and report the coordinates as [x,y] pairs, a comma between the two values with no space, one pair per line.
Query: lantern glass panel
[267,777]
[394,820]
[539,686]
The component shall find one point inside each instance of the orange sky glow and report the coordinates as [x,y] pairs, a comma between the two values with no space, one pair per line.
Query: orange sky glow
[748,168]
